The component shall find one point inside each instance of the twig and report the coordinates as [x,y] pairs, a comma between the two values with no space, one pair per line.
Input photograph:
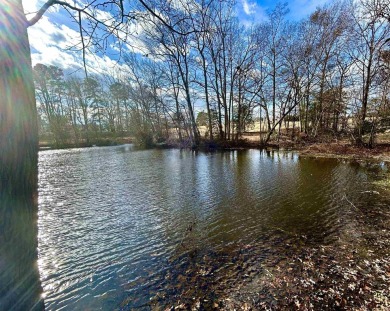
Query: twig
[345,196]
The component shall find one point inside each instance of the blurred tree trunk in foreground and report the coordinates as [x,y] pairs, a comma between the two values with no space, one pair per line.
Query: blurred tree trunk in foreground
[20,287]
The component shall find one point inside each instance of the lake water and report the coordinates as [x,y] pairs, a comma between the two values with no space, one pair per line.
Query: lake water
[117,224]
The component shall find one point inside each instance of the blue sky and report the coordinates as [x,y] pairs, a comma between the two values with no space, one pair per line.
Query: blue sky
[52,36]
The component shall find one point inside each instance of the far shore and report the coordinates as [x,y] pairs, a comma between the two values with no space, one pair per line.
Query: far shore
[330,148]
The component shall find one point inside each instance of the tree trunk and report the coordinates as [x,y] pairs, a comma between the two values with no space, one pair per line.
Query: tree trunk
[178,114]
[206,91]
[192,118]
[219,110]
[185,80]
[20,287]
[277,123]
[239,109]
[366,90]
[273,88]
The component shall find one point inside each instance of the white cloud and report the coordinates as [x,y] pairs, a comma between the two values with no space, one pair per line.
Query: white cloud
[50,44]
[251,13]
[59,45]
[249,8]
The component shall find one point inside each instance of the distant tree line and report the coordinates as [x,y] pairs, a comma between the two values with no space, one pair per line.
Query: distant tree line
[329,73]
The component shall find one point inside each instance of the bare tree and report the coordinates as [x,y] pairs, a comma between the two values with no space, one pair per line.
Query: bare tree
[371,33]
[176,47]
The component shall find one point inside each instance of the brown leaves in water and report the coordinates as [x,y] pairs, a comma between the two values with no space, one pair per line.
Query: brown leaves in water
[317,280]
[335,277]
[285,272]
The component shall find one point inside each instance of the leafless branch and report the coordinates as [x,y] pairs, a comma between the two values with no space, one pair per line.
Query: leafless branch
[83,44]
[40,13]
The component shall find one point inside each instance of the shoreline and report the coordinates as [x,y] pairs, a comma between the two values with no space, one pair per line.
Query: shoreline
[338,149]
